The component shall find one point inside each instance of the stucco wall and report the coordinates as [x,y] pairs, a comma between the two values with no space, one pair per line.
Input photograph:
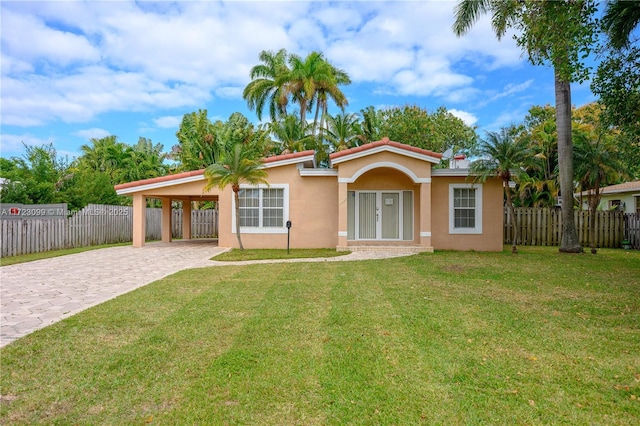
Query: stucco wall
[491,238]
[313,211]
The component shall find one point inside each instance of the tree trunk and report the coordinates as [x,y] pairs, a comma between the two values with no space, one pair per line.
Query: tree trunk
[237,198]
[569,242]
[594,200]
[512,211]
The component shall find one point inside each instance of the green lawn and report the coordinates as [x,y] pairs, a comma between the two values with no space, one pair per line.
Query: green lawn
[444,338]
[12,260]
[235,255]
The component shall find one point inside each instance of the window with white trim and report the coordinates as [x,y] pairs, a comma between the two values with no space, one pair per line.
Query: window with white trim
[263,209]
[465,209]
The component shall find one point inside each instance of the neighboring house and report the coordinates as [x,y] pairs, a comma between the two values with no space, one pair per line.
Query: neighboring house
[376,195]
[624,196]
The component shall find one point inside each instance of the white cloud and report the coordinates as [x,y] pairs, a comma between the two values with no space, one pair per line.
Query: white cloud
[92,133]
[468,118]
[168,122]
[12,145]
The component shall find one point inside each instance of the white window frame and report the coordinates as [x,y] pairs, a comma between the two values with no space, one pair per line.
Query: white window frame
[478,209]
[262,229]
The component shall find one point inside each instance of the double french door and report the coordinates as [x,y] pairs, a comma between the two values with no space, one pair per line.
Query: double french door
[380,215]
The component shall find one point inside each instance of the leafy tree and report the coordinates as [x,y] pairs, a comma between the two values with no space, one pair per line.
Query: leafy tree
[197,146]
[561,33]
[438,132]
[266,87]
[241,164]
[502,154]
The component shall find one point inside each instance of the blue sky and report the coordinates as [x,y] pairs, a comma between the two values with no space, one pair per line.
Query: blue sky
[76,70]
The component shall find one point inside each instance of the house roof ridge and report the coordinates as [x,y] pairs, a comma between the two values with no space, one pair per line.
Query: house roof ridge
[384,141]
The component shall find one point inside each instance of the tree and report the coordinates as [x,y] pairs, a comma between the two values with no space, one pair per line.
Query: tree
[266,86]
[291,135]
[619,20]
[560,33]
[197,146]
[370,125]
[239,165]
[598,162]
[314,80]
[342,131]
[437,132]
[502,154]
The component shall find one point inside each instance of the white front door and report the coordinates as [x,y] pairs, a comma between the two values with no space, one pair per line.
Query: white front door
[381,215]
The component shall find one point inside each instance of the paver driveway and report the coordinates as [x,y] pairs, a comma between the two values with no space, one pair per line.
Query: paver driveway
[36,294]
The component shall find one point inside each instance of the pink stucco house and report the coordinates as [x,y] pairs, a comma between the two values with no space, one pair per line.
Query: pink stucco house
[380,194]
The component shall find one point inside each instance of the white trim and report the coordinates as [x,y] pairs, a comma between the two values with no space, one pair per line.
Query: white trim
[425,234]
[156,185]
[389,164]
[478,209]
[261,229]
[318,172]
[386,148]
[288,161]
[452,172]
[342,233]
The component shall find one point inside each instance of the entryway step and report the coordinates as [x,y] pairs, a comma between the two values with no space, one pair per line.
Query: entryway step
[387,249]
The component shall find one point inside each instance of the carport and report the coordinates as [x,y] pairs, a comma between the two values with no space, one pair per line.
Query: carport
[186,187]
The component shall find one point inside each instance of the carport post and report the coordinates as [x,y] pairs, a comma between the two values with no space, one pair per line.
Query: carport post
[139,219]
[166,220]
[186,220]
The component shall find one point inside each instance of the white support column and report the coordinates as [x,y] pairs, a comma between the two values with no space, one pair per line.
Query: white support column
[342,214]
[139,219]
[166,220]
[425,215]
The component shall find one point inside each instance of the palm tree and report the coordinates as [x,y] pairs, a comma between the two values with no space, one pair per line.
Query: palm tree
[370,126]
[266,86]
[598,164]
[619,20]
[342,131]
[313,80]
[503,155]
[239,165]
[291,135]
[556,32]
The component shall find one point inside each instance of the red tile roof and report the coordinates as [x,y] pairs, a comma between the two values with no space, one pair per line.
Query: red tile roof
[159,179]
[382,142]
[183,175]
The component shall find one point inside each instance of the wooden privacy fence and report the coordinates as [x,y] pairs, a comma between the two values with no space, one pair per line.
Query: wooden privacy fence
[542,227]
[632,229]
[94,225]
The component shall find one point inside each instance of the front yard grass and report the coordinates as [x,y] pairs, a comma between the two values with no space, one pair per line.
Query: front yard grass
[443,338]
[22,258]
[235,255]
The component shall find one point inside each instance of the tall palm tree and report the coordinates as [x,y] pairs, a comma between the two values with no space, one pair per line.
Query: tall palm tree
[266,86]
[239,165]
[619,20]
[313,80]
[556,32]
[503,155]
[598,164]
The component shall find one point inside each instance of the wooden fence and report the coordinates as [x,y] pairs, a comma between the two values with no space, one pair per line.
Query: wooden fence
[542,227]
[94,225]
